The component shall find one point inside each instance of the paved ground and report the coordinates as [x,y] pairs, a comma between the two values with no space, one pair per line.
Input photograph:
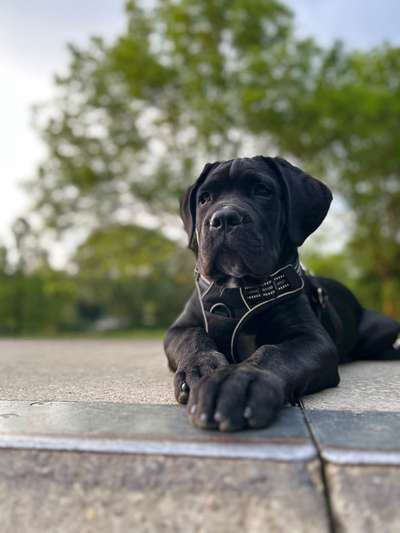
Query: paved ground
[335,466]
[364,386]
[136,372]
[85,370]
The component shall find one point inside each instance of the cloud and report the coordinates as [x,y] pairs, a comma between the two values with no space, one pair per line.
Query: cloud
[34,34]
[33,47]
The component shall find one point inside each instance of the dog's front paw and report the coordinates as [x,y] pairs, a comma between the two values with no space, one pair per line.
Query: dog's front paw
[193,369]
[236,397]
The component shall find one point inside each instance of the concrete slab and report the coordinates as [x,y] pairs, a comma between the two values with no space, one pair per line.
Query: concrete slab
[364,386]
[370,437]
[85,370]
[357,429]
[97,493]
[145,429]
[364,499]
[171,477]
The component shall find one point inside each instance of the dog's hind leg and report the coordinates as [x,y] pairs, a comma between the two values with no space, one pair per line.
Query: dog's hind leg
[379,338]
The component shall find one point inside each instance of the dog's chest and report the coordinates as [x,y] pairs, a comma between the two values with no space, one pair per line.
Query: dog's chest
[246,344]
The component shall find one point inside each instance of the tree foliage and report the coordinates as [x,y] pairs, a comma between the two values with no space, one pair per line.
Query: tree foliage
[124,277]
[132,274]
[189,81]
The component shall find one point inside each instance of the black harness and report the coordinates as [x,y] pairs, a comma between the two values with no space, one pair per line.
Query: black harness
[227,311]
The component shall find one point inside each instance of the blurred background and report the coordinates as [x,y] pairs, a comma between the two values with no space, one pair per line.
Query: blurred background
[109,109]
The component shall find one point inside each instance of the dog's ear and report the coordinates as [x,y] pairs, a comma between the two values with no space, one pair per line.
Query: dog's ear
[188,205]
[308,200]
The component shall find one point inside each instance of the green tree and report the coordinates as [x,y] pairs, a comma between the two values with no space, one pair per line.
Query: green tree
[132,274]
[33,297]
[357,110]
[185,82]
[191,81]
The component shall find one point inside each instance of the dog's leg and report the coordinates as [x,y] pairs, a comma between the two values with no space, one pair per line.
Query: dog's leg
[250,394]
[191,353]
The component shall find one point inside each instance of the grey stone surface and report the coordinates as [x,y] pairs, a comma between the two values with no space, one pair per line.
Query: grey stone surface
[146,429]
[136,372]
[370,437]
[364,386]
[359,444]
[150,490]
[85,492]
[85,370]
[364,499]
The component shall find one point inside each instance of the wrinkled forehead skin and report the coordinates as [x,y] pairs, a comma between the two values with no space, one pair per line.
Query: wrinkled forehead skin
[230,172]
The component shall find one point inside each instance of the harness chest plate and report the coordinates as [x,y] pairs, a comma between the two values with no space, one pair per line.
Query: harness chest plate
[227,311]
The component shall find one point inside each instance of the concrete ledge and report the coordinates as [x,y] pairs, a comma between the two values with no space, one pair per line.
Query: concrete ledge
[169,477]
[356,428]
[145,429]
[98,493]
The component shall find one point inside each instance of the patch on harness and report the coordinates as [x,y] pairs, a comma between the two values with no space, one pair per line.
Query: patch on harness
[283,282]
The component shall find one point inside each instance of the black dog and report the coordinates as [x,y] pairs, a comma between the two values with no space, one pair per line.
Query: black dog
[259,332]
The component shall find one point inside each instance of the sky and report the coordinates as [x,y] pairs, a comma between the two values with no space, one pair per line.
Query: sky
[33,37]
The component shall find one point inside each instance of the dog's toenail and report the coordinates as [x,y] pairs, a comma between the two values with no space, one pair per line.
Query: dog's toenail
[247,412]
[184,387]
[225,425]
[203,417]
[192,409]
[217,416]
[183,396]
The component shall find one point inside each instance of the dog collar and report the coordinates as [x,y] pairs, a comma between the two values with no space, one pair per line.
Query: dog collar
[238,305]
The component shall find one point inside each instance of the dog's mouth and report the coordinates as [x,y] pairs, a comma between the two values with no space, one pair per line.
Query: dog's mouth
[225,281]
[229,269]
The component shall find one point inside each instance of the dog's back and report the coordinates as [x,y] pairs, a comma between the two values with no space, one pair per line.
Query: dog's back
[359,333]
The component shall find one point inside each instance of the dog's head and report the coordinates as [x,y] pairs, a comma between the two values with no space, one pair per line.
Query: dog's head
[245,216]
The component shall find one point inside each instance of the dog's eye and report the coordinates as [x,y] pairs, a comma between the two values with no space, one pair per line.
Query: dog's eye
[204,198]
[260,189]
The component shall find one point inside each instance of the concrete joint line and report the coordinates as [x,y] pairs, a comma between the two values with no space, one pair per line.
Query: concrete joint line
[322,463]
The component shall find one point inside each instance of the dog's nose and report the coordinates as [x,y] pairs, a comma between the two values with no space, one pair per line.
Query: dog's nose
[225,219]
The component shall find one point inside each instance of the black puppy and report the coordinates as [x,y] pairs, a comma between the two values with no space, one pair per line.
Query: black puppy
[258,331]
